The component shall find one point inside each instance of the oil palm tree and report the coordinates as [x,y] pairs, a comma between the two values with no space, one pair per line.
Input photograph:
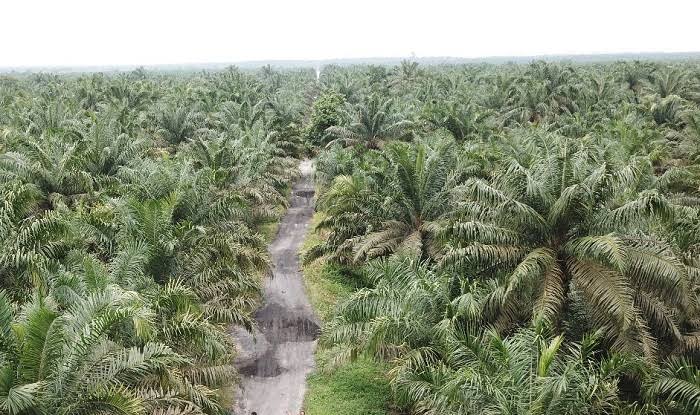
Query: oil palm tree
[398,312]
[201,237]
[67,363]
[670,81]
[372,122]
[633,76]
[676,387]
[532,103]
[105,148]
[49,117]
[405,74]
[242,116]
[176,313]
[153,223]
[463,120]
[432,327]
[177,123]
[54,164]
[395,208]
[566,226]
[668,111]
[687,139]
[31,238]
[526,373]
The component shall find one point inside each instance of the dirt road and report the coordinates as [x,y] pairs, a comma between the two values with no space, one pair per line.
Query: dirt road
[275,359]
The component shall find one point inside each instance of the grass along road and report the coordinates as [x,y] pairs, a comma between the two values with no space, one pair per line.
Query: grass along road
[359,388]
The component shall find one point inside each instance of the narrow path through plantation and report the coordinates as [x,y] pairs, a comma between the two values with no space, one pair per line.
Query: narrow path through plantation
[275,359]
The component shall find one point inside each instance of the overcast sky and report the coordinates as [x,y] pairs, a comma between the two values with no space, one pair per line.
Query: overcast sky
[103,32]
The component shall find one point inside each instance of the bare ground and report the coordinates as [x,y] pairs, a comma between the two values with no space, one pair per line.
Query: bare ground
[275,359]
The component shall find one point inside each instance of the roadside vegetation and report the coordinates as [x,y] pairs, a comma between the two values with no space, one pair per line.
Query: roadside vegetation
[361,386]
[134,215]
[526,237]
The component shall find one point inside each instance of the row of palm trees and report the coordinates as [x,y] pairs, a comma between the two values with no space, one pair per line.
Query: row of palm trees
[131,219]
[527,235]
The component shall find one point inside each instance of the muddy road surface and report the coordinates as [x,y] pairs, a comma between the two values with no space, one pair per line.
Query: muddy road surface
[275,359]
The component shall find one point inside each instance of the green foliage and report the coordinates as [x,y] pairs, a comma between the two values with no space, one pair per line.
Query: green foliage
[393,209]
[326,112]
[358,388]
[131,213]
[543,258]
[532,220]
[371,122]
[545,261]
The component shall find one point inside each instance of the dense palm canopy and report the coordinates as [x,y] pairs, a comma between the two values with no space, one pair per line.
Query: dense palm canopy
[131,218]
[526,237]
[445,362]
[373,121]
[392,208]
[552,267]
[565,225]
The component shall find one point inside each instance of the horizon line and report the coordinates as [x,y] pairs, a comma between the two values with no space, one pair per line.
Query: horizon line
[359,60]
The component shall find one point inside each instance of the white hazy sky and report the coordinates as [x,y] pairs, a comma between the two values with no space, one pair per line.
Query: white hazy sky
[103,32]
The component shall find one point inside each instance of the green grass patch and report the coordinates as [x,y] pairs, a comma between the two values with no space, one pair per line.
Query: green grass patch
[325,285]
[358,388]
[269,230]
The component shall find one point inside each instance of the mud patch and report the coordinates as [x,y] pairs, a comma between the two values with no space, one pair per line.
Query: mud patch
[282,325]
[264,366]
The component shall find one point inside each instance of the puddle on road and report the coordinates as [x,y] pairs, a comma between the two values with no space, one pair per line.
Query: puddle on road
[305,194]
[279,326]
